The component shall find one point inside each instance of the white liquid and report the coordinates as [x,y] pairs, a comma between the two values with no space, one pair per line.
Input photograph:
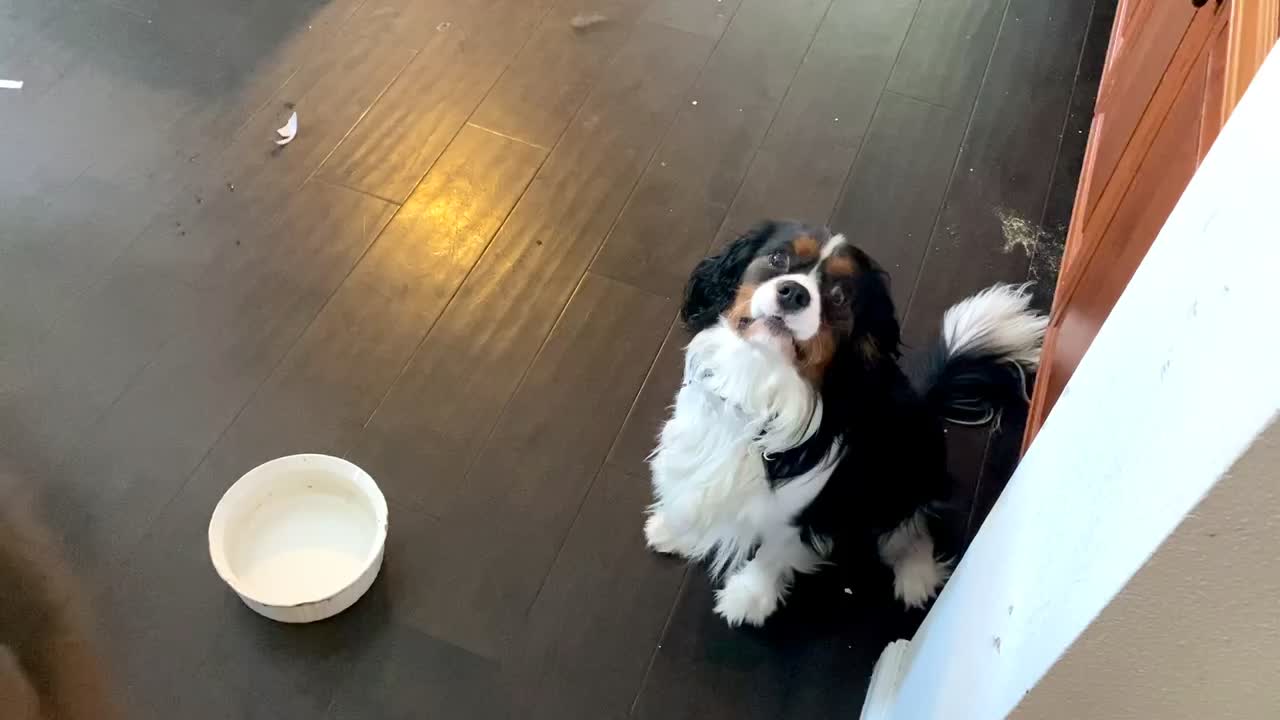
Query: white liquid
[301,548]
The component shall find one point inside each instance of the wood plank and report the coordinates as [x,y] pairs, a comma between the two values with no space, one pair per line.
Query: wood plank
[407,675]
[1217,104]
[57,245]
[136,458]
[330,383]
[820,126]
[897,184]
[546,84]
[652,407]
[405,132]
[600,613]
[990,221]
[183,645]
[222,659]
[757,27]
[701,17]
[843,74]
[1143,46]
[1121,245]
[455,387]
[189,74]
[161,430]
[94,70]
[26,55]
[105,335]
[1049,258]
[162,134]
[704,669]
[947,51]
[683,196]
[1254,29]
[1098,206]
[251,39]
[525,489]
[269,49]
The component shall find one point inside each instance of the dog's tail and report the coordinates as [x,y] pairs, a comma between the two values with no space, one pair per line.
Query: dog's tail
[980,362]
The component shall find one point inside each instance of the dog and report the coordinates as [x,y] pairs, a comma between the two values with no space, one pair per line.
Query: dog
[49,666]
[796,434]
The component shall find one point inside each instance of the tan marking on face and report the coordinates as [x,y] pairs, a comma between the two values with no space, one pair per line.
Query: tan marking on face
[815,354]
[740,312]
[805,246]
[841,265]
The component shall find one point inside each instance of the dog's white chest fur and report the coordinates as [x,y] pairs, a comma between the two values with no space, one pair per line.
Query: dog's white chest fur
[713,496]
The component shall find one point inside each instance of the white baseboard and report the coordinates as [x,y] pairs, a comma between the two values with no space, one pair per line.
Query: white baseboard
[885,679]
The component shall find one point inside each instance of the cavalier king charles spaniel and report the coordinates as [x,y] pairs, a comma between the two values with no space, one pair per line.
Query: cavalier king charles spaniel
[796,434]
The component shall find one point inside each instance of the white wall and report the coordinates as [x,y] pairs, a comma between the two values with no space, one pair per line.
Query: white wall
[1195,635]
[1179,382]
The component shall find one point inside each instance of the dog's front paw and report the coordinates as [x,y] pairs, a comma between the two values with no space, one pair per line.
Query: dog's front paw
[749,596]
[917,579]
[660,537]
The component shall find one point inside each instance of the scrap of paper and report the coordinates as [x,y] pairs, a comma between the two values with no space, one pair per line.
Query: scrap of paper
[11,84]
[289,131]
[584,21]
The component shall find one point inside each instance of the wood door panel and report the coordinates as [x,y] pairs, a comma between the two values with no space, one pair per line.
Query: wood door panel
[1215,103]
[1146,38]
[1136,167]
[1254,27]
[1090,217]
[1159,183]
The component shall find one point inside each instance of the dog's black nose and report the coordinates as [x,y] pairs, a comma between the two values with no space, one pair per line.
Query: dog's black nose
[792,296]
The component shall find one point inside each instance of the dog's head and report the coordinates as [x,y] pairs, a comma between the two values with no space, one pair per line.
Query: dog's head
[800,290]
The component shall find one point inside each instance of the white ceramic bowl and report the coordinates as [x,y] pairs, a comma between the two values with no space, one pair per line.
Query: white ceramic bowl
[300,538]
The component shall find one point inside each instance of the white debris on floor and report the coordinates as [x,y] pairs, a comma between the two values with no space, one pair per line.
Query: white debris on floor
[289,131]
[584,20]
[1019,232]
[11,84]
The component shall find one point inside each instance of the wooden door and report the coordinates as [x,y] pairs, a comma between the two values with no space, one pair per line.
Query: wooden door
[1175,70]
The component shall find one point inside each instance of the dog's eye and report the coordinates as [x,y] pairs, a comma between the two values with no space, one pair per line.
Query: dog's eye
[779,260]
[837,295]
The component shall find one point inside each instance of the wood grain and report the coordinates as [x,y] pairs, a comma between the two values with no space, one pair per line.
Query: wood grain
[137,456]
[683,196]
[990,222]
[403,135]
[540,93]
[600,612]
[948,51]
[897,184]
[474,357]
[520,498]
[333,379]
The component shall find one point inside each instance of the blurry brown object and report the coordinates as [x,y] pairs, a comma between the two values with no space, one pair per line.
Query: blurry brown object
[48,668]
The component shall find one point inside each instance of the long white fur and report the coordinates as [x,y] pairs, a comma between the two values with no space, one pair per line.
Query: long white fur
[832,245]
[752,593]
[908,549]
[996,321]
[741,399]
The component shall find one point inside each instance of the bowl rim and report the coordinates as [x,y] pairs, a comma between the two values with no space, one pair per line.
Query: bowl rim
[370,489]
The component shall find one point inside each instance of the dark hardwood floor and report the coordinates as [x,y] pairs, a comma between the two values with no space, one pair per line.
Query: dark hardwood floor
[463,274]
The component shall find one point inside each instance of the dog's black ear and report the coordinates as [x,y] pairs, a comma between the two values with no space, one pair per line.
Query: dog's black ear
[714,283]
[876,330]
